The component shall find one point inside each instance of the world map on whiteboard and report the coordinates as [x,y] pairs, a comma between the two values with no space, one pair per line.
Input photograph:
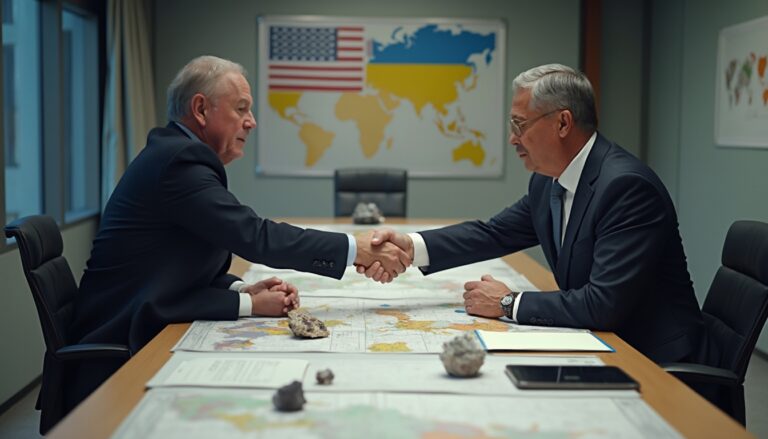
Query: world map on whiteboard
[386,93]
[741,95]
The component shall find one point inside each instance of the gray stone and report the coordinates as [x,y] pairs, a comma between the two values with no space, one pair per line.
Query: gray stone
[324,377]
[367,213]
[305,325]
[463,356]
[289,398]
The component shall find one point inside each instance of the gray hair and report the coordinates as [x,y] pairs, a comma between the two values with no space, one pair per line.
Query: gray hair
[555,86]
[201,75]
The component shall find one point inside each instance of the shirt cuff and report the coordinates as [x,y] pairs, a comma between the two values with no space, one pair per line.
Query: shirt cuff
[516,306]
[236,285]
[420,254]
[245,305]
[245,299]
[352,252]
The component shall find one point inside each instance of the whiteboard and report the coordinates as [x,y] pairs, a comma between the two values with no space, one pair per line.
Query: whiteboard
[426,95]
[741,88]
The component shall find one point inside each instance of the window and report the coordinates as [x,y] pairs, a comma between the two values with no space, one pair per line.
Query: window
[81,115]
[21,108]
[51,111]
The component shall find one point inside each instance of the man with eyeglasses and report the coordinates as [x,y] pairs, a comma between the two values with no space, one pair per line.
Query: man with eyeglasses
[604,220]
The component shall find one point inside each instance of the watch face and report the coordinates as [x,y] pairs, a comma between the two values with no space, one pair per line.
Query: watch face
[506,300]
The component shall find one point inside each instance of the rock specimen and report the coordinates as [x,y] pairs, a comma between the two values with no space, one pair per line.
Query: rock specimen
[324,377]
[462,356]
[367,213]
[289,398]
[305,325]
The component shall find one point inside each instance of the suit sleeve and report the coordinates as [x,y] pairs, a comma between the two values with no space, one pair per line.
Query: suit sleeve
[196,198]
[225,279]
[629,238]
[509,231]
[208,303]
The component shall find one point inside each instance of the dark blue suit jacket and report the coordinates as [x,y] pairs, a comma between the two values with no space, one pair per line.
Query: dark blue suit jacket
[621,268]
[165,242]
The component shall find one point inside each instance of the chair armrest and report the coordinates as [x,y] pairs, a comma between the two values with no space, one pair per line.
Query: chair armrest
[699,373]
[93,351]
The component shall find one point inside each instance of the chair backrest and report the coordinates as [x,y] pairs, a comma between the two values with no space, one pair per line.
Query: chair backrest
[388,188]
[48,273]
[737,302]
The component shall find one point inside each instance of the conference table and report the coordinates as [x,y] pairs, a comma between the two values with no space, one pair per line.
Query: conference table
[103,411]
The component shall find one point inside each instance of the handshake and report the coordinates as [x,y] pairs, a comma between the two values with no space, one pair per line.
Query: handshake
[383,254]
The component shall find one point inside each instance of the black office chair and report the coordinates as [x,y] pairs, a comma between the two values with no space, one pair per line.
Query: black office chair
[388,188]
[734,313]
[53,288]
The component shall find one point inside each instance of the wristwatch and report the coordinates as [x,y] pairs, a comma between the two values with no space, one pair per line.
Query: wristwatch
[508,303]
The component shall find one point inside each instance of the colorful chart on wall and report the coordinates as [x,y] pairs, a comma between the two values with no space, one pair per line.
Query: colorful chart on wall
[741,105]
[422,94]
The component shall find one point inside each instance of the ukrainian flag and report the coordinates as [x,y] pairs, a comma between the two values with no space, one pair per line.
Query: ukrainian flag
[426,66]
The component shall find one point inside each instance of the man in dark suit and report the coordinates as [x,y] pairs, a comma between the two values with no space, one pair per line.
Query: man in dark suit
[167,234]
[604,220]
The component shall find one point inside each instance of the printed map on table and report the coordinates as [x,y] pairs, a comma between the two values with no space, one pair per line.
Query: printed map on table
[415,313]
[207,413]
[356,325]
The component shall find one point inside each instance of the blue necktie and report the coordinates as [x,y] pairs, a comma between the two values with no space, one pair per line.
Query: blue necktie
[556,207]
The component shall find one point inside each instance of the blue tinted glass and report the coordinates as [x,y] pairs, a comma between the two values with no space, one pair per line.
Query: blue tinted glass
[81,121]
[22,132]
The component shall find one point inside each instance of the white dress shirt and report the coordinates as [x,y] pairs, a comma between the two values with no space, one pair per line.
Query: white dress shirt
[569,180]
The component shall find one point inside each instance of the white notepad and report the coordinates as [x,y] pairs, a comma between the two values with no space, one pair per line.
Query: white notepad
[243,371]
[542,341]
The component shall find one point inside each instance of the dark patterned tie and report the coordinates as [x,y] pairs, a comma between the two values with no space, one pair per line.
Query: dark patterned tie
[556,207]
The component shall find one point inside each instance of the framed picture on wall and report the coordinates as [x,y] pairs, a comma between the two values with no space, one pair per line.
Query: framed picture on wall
[423,94]
[741,85]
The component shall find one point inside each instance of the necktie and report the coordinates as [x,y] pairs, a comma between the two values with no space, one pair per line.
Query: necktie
[556,207]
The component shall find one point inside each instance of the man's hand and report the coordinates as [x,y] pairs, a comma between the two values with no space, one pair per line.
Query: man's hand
[272,297]
[483,297]
[383,258]
[376,271]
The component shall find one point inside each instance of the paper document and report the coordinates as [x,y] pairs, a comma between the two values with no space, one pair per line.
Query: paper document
[414,373]
[542,341]
[426,374]
[356,325]
[191,413]
[267,373]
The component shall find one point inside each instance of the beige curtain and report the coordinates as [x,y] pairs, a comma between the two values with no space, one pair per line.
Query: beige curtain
[129,98]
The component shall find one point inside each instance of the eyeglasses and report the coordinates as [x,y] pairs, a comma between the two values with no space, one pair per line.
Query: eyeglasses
[517,127]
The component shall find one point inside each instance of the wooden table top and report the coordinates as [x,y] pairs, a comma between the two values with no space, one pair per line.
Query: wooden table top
[103,411]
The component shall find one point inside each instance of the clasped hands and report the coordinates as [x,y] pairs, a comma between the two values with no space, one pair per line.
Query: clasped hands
[383,254]
[272,297]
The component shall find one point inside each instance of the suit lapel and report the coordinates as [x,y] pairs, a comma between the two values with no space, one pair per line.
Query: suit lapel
[581,200]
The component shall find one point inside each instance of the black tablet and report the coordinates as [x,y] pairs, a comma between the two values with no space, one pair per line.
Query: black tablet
[570,377]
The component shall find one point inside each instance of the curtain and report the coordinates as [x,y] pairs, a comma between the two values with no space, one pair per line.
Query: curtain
[129,98]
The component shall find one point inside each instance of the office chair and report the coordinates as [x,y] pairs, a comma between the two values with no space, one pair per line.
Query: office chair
[388,188]
[53,288]
[734,313]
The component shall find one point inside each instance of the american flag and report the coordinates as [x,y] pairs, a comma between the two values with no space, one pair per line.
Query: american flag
[316,58]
